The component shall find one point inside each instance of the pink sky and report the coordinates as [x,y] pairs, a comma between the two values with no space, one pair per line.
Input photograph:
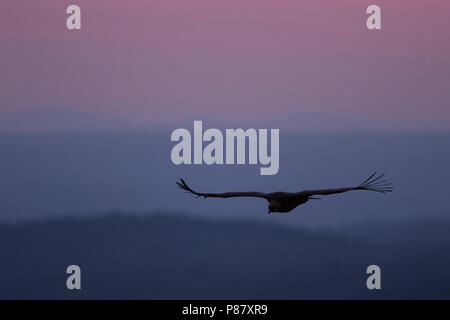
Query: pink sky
[307,64]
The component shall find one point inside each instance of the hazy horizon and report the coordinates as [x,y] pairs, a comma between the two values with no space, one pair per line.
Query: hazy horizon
[84,174]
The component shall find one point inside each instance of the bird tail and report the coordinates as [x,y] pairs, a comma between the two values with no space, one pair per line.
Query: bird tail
[376,183]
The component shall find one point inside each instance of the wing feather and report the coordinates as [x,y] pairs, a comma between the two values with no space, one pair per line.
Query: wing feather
[373,183]
[182,185]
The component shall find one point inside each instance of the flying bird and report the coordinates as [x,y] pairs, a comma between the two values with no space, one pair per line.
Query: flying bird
[287,201]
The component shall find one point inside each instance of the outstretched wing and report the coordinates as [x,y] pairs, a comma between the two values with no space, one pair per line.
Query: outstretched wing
[373,183]
[185,187]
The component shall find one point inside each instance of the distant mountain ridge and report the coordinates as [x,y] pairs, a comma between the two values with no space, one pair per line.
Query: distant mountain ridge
[177,257]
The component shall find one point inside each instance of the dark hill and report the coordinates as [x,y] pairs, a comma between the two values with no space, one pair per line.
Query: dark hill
[159,257]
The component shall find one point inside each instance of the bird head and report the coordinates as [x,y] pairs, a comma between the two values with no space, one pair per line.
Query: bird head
[273,207]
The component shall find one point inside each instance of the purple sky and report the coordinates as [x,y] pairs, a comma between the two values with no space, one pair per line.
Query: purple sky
[308,65]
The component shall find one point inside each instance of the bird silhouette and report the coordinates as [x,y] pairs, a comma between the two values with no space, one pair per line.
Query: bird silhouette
[287,201]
